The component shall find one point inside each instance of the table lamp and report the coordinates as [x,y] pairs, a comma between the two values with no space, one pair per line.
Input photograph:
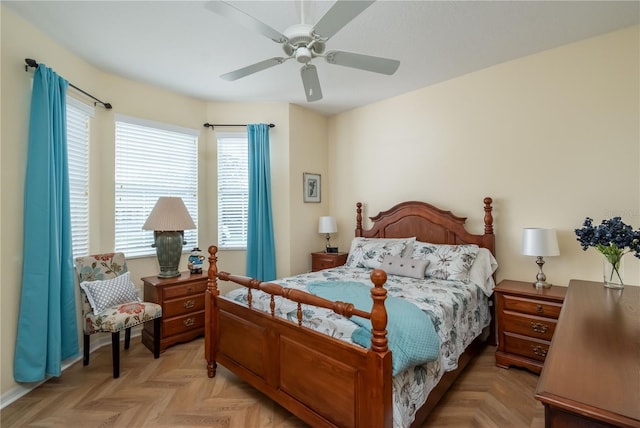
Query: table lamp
[169,219]
[540,242]
[328,226]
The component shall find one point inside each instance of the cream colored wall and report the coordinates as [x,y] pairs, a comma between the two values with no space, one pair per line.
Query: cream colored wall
[552,137]
[308,154]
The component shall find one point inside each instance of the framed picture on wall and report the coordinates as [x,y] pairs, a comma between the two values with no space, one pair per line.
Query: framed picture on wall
[311,187]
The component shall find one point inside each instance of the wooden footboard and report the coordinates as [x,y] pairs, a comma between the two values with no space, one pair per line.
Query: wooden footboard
[324,381]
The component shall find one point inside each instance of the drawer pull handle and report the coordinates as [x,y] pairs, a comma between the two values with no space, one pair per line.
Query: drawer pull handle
[539,327]
[539,350]
[188,304]
[539,309]
[189,322]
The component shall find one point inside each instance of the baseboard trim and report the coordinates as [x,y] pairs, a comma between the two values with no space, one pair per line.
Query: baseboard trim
[97,342]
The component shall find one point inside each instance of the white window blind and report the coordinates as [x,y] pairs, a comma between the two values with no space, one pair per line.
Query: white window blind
[152,160]
[78,120]
[233,190]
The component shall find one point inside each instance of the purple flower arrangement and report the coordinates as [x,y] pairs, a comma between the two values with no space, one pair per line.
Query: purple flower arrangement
[612,238]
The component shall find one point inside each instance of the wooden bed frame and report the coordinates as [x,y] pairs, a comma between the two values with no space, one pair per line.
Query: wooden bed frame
[324,381]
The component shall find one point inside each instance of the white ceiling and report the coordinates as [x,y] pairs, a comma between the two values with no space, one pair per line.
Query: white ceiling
[182,46]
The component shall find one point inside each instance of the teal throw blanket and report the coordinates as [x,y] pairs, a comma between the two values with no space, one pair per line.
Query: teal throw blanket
[412,337]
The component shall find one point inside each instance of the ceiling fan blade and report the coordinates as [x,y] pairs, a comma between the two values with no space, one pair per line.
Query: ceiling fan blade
[253,68]
[340,14]
[311,82]
[229,11]
[363,62]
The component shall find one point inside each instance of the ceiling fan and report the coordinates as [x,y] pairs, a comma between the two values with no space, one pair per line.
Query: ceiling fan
[304,42]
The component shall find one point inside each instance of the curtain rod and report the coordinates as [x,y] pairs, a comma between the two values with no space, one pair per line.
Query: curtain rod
[212,125]
[33,63]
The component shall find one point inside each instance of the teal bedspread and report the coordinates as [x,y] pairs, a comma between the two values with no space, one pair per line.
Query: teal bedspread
[412,338]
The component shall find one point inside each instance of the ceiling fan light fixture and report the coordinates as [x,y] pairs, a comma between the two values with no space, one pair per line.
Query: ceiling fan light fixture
[303,55]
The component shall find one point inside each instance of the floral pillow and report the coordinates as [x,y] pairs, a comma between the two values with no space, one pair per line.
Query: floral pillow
[103,294]
[369,252]
[452,262]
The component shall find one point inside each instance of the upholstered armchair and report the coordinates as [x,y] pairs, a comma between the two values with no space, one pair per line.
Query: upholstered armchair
[111,304]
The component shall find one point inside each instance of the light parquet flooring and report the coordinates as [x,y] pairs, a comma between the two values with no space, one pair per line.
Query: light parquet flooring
[174,391]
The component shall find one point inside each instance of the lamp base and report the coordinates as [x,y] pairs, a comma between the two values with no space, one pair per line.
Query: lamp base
[541,278]
[541,284]
[169,273]
[169,250]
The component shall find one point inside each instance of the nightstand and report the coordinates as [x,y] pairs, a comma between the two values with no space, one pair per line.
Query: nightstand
[527,317]
[324,260]
[182,301]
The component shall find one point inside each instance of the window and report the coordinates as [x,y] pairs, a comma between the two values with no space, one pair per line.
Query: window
[233,190]
[152,160]
[78,117]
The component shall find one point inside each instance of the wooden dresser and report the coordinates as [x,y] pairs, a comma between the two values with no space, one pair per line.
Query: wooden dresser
[527,318]
[322,260]
[592,374]
[182,301]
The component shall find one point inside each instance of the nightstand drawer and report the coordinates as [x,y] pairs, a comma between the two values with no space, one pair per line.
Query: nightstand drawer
[185,289]
[184,305]
[185,323]
[527,325]
[526,347]
[533,307]
[323,263]
[320,261]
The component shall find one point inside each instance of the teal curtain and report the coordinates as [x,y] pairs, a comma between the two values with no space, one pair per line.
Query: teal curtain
[261,253]
[47,332]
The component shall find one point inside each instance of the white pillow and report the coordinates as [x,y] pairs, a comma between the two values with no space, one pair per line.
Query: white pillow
[412,268]
[482,270]
[369,252]
[451,262]
[103,294]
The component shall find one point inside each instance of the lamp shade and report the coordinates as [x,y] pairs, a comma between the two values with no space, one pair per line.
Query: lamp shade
[539,242]
[327,224]
[169,214]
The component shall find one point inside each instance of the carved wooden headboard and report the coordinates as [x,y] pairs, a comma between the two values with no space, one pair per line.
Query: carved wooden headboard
[428,224]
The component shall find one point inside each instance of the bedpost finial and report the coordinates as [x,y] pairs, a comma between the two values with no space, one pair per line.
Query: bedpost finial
[378,277]
[359,219]
[488,217]
[212,272]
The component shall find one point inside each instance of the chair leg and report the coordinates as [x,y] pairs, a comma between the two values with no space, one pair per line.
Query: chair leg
[87,342]
[127,338]
[157,325]
[115,353]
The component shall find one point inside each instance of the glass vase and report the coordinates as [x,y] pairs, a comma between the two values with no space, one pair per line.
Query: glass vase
[612,273]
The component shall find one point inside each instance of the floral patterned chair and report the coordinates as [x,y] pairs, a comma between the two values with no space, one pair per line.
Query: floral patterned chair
[111,304]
